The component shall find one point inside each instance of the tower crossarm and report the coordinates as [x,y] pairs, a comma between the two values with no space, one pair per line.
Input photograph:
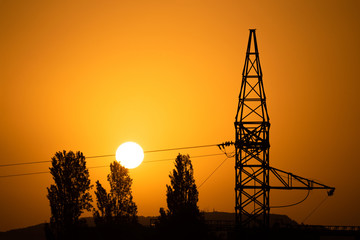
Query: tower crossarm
[252,150]
[291,181]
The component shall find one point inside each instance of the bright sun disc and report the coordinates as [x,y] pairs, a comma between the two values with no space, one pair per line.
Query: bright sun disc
[130,155]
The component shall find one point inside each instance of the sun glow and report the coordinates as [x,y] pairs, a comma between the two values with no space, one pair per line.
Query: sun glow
[130,155]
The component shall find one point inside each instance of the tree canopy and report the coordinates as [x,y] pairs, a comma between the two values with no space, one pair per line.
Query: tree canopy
[182,194]
[70,195]
[117,206]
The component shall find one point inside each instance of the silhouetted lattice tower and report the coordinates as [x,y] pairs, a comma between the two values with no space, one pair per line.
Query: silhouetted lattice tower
[252,124]
[252,144]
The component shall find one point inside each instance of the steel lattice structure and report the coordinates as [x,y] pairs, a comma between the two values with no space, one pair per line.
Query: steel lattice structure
[252,169]
[252,126]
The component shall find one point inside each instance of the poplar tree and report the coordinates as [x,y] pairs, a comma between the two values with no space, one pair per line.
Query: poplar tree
[181,195]
[103,214]
[117,206]
[69,197]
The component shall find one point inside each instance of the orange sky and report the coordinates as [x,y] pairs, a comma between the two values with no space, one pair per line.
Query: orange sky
[90,75]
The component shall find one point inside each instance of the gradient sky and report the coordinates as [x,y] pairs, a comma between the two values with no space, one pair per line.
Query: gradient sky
[90,75]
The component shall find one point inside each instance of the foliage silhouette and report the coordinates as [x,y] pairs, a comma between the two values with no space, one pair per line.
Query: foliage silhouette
[182,216]
[70,195]
[103,215]
[116,207]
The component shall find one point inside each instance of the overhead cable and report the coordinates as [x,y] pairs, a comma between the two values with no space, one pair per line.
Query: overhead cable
[112,155]
[102,166]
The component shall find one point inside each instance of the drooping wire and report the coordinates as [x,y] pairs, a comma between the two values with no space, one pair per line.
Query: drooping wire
[172,159]
[48,161]
[293,204]
[23,163]
[22,174]
[201,184]
[112,155]
[181,148]
[102,166]
[223,149]
[283,206]
[316,208]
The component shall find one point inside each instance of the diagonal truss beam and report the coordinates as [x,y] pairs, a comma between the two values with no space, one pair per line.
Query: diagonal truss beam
[291,181]
[252,145]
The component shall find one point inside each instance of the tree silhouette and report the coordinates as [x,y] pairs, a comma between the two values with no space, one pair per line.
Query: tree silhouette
[103,215]
[70,195]
[182,196]
[117,206]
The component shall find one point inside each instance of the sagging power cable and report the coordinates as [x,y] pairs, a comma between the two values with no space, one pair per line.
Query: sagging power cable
[113,155]
[103,166]
[293,204]
[316,208]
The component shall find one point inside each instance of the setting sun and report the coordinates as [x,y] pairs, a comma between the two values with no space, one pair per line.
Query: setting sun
[130,155]
[91,76]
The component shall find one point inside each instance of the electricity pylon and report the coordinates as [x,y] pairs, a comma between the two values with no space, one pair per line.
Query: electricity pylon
[252,169]
[252,126]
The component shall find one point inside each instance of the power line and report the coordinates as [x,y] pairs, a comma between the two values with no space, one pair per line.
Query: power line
[180,148]
[23,163]
[47,161]
[102,166]
[171,159]
[112,155]
[316,208]
[293,204]
[101,156]
[213,172]
[22,174]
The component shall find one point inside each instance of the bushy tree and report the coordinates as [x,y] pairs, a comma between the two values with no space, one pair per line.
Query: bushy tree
[117,206]
[70,195]
[181,196]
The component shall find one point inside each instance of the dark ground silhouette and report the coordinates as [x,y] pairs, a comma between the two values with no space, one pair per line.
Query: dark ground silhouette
[144,231]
